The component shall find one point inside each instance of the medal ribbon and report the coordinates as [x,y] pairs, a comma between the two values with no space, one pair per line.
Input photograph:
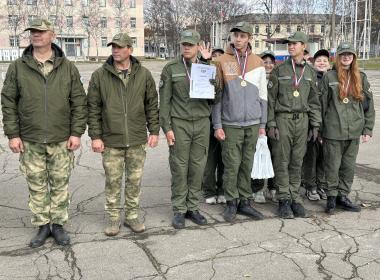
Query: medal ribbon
[295,80]
[345,93]
[242,69]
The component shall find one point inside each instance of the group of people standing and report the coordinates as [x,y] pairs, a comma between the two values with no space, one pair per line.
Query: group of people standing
[211,141]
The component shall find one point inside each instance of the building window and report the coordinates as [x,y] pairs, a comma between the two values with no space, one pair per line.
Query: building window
[68,2]
[134,41]
[257,44]
[12,20]
[102,3]
[117,22]
[257,29]
[31,18]
[312,28]
[299,28]
[322,29]
[85,21]
[103,22]
[53,19]
[104,42]
[14,41]
[288,28]
[31,2]
[84,3]
[133,22]
[52,2]
[69,21]
[278,28]
[132,3]
[12,2]
[268,29]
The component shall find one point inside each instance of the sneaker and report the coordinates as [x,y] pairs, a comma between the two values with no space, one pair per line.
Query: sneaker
[284,209]
[271,195]
[135,225]
[321,193]
[312,195]
[221,199]
[112,228]
[211,200]
[259,197]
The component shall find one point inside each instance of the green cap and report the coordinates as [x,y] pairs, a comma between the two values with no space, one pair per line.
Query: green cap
[122,40]
[243,27]
[297,36]
[41,25]
[345,47]
[190,37]
[268,53]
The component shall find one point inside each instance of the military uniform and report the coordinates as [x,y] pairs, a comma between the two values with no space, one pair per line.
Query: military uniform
[291,112]
[188,118]
[344,121]
[43,104]
[122,105]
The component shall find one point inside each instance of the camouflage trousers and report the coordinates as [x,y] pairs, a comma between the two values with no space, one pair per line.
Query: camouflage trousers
[44,166]
[115,162]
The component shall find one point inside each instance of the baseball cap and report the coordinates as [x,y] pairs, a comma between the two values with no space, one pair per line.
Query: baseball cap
[243,27]
[345,47]
[297,36]
[41,25]
[122,40]
[190,37]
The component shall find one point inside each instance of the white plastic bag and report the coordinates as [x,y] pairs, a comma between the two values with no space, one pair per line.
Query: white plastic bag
[262,162]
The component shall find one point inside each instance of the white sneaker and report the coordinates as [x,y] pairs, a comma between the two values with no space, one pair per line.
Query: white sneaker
[271,195]
[211,200]
[259,197]
[221,199]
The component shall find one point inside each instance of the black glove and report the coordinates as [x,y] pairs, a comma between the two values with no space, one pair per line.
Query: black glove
[274,133]
[313,134]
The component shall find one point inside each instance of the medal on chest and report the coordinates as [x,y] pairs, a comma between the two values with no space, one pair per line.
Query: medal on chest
[296,80]
[243,82]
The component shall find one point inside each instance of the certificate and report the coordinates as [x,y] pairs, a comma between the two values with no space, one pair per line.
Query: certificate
[200,86]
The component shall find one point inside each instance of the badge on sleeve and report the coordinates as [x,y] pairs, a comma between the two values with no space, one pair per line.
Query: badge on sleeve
[161,84]
[270,84]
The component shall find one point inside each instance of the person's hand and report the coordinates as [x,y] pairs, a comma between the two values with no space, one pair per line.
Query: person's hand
[16,145]
[313,134]
[365,138]
[219,134]
[205,50]
[97,145]
[153,141]
[170,137]
[73,143]
[262,132]
[274,133]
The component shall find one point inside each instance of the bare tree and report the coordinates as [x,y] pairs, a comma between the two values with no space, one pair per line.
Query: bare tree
[120,10]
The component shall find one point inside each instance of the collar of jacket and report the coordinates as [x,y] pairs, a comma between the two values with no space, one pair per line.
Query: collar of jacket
[27,56]
[230,49]
[109,65]
[303,62]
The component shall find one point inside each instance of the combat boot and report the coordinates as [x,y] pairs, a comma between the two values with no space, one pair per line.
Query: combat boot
[135,225]
[60,235]
[229,213]
[298,210]
[330,204]
[246,209]
[40,238]
[284,209]
[344,202]
[178,221]
[196,217]
[112,228]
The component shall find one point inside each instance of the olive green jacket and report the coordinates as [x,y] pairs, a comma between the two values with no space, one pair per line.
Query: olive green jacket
[119,114]
[280,93]
[345,121]
[39,109]
[175,101]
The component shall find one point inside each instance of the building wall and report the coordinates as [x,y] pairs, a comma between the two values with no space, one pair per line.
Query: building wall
[80,40]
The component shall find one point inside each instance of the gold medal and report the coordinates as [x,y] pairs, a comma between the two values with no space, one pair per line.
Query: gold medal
[296,93]
[345,100]
[243,83]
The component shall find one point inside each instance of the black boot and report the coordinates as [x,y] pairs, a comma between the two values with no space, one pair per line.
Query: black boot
[346,204]
[196,217]
[246,209]
[178,221]
[298,210]
[40,238]
[284,209]
[229,213]
[330,204]
[60,235]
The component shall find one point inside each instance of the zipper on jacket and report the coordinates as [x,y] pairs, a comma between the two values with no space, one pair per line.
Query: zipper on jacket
[125,113]
[45,111]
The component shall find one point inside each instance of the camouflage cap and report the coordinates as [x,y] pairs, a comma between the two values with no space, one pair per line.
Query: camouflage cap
[243,27]
[190,37]
[345,47]
[41,25]
[268,53]
[297,36]
[122,40]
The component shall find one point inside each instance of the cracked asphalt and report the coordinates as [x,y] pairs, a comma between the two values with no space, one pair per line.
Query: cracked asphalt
[342,246]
